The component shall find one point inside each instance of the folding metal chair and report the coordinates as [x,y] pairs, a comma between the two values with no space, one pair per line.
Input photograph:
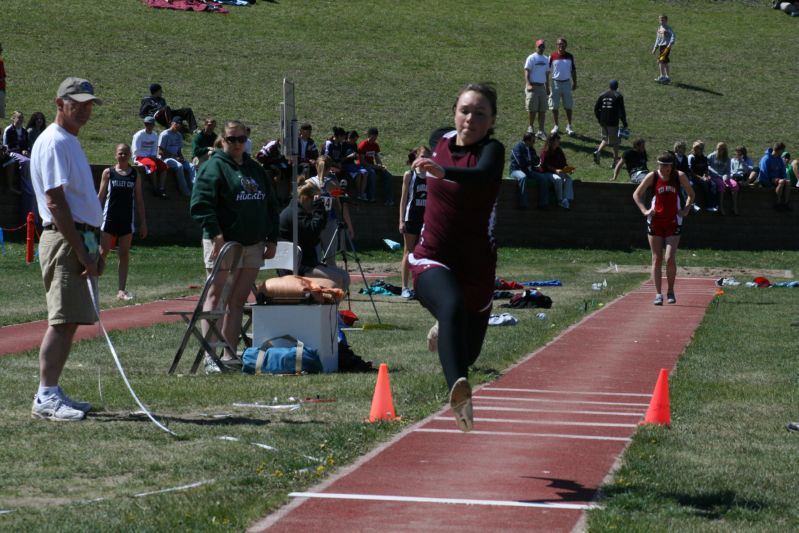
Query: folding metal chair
[213,339]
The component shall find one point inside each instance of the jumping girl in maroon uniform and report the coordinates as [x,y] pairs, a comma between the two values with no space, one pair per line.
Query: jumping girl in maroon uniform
[664,218]
[454,263]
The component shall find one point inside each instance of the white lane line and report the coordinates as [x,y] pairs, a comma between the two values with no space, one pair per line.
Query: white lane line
[174,489]
[563,411]
[524,434]
[545,422]
[590,393]
[545,400]
[457,501]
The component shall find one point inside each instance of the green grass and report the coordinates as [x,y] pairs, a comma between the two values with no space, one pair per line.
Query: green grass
[736,372]
[398,66]
[726,463]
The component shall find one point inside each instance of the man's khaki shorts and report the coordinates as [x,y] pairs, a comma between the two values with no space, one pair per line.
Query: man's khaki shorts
[68,297]
[252,256]
[536,100]
[561,90]
[610,134]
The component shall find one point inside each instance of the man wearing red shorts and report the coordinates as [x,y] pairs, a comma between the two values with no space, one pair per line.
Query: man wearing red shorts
[145,152]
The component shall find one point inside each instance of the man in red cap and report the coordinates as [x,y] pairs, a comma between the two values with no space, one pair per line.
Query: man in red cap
[536,78]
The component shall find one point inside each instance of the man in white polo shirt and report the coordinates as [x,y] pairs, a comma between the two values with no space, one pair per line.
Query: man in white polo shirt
[536,77]
[68,255]
[564,81]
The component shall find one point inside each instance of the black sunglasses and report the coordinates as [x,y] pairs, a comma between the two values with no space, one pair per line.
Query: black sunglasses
[241,139]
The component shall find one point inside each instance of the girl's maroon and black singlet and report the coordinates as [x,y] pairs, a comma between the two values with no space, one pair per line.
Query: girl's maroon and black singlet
[459,218]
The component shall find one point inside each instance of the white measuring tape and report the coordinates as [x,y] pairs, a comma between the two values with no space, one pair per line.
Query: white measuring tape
[96,302]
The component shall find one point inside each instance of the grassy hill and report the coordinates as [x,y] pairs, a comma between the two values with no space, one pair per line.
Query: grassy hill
[398,66]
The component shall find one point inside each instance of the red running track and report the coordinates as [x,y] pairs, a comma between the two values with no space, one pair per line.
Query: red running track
[547,433]
[28,336]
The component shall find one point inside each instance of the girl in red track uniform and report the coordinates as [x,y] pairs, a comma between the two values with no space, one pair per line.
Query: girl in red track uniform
[664,218]
[454,263]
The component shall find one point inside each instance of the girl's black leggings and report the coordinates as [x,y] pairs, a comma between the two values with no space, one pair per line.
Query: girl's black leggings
[460,332]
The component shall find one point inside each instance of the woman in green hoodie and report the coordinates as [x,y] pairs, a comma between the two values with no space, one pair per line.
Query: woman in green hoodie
[233,201]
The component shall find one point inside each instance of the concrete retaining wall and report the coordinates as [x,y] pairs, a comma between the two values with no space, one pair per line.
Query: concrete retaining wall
[602,216]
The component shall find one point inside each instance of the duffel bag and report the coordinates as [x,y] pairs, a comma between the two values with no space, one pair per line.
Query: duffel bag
[270,359]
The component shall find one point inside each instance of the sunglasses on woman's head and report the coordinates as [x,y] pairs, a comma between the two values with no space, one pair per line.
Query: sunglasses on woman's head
[241,139]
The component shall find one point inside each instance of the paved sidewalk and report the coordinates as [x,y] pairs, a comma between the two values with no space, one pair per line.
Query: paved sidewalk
[547,433]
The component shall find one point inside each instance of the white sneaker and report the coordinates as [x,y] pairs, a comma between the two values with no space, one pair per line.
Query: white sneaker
[75,404]
[569,130]
[54,408]
[530,129]
[432,338]
[460,400]
[554,130]
[211,367]
[124,296]
[406,293]
[541,135]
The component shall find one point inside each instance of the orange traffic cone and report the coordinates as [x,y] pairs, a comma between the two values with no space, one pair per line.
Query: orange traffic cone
[382,403]
[659,412]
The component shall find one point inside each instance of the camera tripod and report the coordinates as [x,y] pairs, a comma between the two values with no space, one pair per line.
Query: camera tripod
[349,244]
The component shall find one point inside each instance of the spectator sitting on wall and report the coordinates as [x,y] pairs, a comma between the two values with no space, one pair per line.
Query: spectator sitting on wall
[742,167]
[155,106]
[15,136]
[369,156]
[349,151]
[553,164]
[307,152]
[635,161]
[700,177]
[719,167]
[791,168]
[9,165]
[524,164]
[35,126]
[145,153]
[772,175]
[680,159]
[202,143]
[170,150]
[277,169]
[333,149]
